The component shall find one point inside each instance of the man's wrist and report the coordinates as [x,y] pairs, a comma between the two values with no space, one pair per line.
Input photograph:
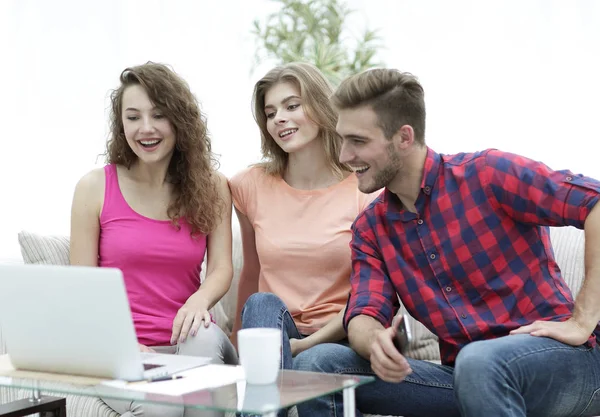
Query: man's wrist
[585,322]
[373,334]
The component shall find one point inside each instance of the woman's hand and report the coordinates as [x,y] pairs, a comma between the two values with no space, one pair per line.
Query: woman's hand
[299,345]
[189,318]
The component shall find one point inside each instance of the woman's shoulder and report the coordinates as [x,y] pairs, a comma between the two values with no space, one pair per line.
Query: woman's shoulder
[220,178]
[254,175]
[348,189]
[89,191]
[93,180]
[222,183]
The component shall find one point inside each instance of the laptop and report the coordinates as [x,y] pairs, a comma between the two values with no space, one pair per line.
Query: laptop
[76,320]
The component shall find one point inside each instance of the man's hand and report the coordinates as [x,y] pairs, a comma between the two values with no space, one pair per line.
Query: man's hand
[144,348]
[569,332]
[189,318]
[386,361]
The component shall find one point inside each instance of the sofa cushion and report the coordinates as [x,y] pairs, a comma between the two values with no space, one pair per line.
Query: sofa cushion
[44,249]
[568,244]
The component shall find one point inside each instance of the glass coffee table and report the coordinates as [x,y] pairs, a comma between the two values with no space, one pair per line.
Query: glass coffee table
[291,388]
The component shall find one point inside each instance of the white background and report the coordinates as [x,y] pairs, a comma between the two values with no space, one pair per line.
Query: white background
[518,75]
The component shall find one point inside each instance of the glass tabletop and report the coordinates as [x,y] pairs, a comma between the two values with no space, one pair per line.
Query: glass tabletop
[291,388]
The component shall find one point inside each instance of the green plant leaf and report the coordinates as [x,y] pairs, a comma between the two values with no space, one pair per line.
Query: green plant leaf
[314,31]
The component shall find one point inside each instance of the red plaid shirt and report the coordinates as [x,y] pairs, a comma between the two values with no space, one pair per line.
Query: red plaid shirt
[476,261]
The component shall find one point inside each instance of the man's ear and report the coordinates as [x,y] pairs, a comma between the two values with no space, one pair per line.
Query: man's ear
[404,137]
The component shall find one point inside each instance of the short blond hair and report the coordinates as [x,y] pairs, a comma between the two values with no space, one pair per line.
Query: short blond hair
[315,91]
[396,97]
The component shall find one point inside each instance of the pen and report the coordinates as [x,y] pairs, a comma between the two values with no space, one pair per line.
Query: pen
[158,379]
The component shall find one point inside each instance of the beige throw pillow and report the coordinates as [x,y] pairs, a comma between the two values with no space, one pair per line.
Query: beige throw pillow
[44,249]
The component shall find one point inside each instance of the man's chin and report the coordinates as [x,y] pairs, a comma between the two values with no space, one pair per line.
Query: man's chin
[366,188]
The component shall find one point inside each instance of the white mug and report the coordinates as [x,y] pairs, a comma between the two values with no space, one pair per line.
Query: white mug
[260,354]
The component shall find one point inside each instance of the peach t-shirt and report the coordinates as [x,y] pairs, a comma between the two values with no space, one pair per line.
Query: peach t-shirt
[302,240]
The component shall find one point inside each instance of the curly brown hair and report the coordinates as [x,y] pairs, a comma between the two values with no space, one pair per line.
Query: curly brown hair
[192,169]
[315,91]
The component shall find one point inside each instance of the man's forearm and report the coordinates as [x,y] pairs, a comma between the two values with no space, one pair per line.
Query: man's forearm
[587,311]
[361,334]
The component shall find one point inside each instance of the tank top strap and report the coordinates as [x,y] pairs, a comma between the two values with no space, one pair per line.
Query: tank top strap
[114,202]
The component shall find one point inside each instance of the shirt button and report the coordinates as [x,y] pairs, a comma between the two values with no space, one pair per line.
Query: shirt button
[420,221]
[463,315]
[569,178]
[432,256]
[448,289]
[427,189]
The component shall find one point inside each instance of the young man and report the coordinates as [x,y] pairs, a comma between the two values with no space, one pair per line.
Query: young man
[462,241]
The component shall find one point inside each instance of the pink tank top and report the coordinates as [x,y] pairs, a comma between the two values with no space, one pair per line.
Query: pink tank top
[160,264]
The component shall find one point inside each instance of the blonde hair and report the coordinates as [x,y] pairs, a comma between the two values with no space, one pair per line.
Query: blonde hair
[315,92]
[192,166]
[396,97]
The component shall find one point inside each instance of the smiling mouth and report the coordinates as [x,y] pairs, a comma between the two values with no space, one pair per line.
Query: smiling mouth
[287,133]
[149,143]
[361,169]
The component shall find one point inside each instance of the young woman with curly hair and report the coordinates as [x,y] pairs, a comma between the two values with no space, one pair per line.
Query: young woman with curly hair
[154,211]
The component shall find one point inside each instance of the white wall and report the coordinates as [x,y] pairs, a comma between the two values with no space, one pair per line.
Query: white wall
[519,75]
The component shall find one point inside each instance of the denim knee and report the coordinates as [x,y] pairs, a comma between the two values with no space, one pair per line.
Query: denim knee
[326,357]
[474,356]
[261,301]
[260,310]
[473,360]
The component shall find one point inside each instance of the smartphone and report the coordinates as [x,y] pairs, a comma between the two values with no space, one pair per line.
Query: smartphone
[403,334]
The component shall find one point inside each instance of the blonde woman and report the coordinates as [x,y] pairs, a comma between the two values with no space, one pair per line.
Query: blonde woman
[295,211]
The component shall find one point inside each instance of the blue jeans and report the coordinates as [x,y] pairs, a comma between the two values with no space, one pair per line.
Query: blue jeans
[510,376]
[264,309]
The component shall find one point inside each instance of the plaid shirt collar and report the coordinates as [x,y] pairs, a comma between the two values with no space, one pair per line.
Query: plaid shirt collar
[431,170]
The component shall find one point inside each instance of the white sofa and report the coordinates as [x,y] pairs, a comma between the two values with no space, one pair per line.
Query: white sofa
[568,245]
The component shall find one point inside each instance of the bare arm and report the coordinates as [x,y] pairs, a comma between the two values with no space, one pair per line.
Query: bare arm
[219,269]
[587,310]
[248,284]
[373,342]
[85,219]
[362,332]
[586,314]
[219,272]
[333,331]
